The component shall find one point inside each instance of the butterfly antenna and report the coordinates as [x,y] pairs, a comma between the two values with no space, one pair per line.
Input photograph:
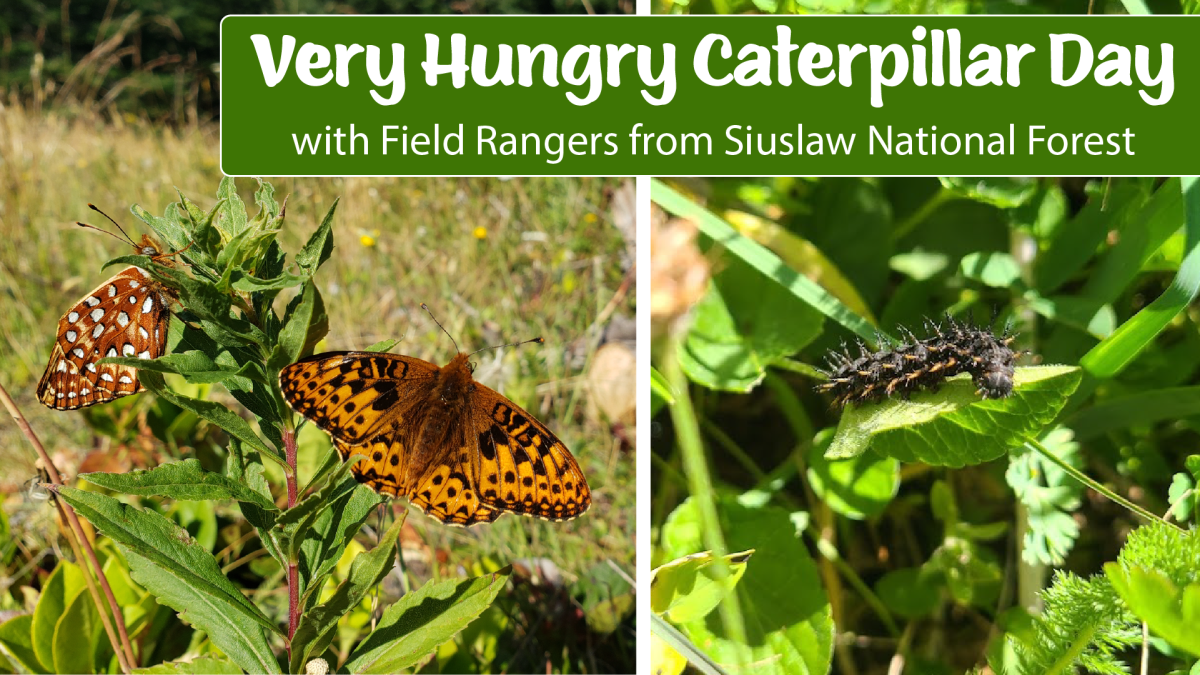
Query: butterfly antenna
[538,340]
[439,325]
[109,218]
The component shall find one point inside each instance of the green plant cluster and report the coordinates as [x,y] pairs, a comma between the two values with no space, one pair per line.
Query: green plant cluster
[230,272]
[946,531]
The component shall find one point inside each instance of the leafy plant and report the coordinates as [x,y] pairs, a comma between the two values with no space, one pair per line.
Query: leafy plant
[942,505]
[229,332]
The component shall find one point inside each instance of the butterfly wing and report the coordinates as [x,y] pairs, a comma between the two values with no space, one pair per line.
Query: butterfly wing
[127,315]
[357,397]
[523,467]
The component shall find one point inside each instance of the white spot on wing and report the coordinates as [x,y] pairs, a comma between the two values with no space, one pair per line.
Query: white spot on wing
[147,304]
[85,392]
[97,314]
[91,367]
[134,284]
[112,290]
[71,394]
[111,351]
[128,350]
[97,330]
[92,301]
[73,317]
[143,333]
[77,352]
[125,380]
[106,377]
[62,367]
[142,271]
[71,335]
[144,355]
[123,319]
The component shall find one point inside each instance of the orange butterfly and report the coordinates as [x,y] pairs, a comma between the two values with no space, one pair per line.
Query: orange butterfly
[127,315]
[459,451]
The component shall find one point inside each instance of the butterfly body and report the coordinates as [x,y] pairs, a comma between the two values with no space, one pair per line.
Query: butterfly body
[128,316]
[458,450]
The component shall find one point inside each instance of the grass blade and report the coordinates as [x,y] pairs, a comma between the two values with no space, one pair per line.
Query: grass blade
[679,642]
[762,259]
[1115,352]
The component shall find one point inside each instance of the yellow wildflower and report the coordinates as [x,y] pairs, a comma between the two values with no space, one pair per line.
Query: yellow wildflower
[480,232]
[590,218]
[367,240]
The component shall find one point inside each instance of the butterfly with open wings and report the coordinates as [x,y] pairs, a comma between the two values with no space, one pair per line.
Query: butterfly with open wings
[459,451]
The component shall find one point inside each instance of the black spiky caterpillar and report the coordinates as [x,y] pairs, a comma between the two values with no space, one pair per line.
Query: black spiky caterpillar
[923,364]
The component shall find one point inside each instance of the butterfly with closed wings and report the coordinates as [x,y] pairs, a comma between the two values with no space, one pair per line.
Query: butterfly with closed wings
[128,315]
[457,450]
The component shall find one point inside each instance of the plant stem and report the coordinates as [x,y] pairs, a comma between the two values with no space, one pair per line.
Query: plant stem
[1090,482]
[293,572]
[695,466]
[122,647]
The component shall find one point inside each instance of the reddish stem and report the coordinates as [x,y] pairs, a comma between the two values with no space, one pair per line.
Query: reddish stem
[123,648]
[293,573]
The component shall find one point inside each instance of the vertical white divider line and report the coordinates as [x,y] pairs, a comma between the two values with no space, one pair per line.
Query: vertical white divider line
[643,9]
[644,490]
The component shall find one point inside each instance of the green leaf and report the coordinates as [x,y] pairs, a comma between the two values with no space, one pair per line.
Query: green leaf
[668,645]
[416,624]
[180,480]
[291,528]
[204,665]
[194,366]
[305,323]
[1004,193]
[17,639]
[169,230]
[198,224]
[991,268]
[318,625]
[1050,496]
[688,588]
[910,592]
[235,218]
[744,323]
[383,346]
[1182,496]
[790,626]
[164,559]
[246,467]
[65,582]
[1143,407]
[248,283]
[75,636]
[1077,240]
[760,258]
[1097,321]
[858,488]
[328,536]
[919,264]
[319,246]
[954,427]
[214,412]
[1170,612]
